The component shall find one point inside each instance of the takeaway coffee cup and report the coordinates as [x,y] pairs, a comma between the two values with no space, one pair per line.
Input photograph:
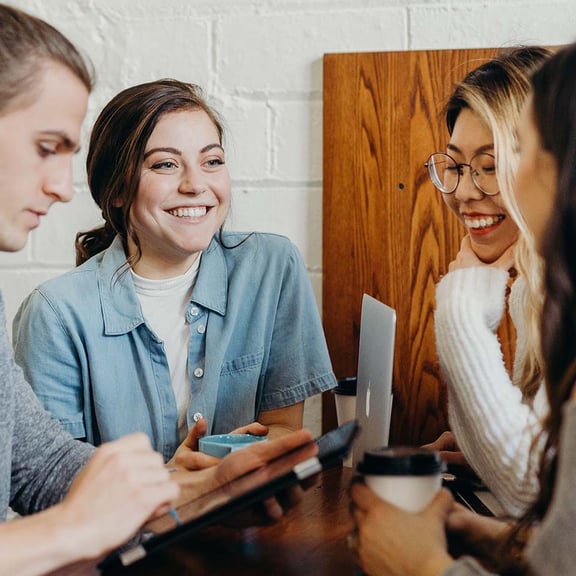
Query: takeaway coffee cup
[345,397]
[407,477]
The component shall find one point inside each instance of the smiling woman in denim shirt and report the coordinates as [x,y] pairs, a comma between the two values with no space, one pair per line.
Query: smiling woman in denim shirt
[168,320]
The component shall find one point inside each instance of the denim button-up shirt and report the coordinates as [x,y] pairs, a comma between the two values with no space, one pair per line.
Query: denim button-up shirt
[256,343]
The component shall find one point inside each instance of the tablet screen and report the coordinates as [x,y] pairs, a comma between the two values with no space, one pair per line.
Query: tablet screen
[240,494]
[238,488]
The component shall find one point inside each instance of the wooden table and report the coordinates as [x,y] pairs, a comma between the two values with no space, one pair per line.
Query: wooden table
[309,541]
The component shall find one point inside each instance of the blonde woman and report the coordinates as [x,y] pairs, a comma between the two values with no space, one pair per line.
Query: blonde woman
[494,415]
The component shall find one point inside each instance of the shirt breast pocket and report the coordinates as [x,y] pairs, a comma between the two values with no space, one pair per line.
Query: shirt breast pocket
[238,392]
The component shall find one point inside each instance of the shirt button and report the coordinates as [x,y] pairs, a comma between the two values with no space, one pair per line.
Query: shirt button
[198,372]
[195,311]
[197,416]
[201,329]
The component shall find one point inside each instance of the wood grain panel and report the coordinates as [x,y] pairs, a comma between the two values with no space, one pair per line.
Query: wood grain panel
[385,228]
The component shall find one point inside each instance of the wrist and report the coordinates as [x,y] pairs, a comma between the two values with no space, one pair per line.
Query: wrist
[73,537]
[437,564]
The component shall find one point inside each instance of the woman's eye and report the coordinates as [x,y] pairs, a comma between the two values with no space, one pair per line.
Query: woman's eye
[166,165]
[46,149]
[214,162]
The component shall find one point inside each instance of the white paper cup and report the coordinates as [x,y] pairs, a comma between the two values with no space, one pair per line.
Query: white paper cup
[406,477]
[345,398]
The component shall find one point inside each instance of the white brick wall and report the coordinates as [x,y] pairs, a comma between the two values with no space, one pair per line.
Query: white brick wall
[261,62]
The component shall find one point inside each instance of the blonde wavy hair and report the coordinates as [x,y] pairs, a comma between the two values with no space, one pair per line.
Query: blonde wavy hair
[496,92]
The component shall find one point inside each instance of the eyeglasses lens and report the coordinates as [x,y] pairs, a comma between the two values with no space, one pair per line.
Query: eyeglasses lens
[445,173]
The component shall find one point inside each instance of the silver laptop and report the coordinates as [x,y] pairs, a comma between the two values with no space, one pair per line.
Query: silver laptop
[375,364]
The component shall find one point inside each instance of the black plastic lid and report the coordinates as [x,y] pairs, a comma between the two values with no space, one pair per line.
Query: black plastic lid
[346,386]
[401,461]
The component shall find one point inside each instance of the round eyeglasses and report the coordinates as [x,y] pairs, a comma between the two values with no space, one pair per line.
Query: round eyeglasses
[445,172]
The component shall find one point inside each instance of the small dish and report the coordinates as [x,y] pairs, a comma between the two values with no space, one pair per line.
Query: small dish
[221,444]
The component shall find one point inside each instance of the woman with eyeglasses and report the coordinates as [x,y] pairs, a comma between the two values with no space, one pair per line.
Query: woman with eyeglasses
[494,415]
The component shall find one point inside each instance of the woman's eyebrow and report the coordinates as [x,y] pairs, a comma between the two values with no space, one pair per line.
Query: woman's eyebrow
[163,149]
[479,150]
[211,147]
[178,152]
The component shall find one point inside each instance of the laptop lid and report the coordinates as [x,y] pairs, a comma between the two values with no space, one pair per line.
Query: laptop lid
[374,385]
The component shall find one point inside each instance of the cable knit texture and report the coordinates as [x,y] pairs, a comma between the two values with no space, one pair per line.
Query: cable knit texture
[494,428]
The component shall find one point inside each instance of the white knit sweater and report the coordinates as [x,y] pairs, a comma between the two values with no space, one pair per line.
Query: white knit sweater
[494,428]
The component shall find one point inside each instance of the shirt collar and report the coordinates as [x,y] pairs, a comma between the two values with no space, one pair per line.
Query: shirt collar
[211,290]
[120,305]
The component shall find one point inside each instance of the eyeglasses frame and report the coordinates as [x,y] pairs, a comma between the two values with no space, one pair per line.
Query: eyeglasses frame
[460,165]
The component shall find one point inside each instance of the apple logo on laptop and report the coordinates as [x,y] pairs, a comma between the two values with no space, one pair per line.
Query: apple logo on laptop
[368,398]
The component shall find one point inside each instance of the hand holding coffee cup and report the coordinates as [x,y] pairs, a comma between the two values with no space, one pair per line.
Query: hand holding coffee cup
[406,477]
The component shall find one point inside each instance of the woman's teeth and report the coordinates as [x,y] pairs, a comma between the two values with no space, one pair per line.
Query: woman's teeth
[189,212]
[484,222]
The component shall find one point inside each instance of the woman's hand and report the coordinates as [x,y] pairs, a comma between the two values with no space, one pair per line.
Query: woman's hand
[391,541]
[188,457]
[236,464]
[449,451]
[476,535]
[124,483]
[466,257]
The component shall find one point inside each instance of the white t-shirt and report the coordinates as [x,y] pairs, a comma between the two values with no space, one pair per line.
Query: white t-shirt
[164,305]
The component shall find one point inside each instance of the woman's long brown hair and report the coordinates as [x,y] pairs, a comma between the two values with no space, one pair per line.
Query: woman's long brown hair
[116,153]
[554,115]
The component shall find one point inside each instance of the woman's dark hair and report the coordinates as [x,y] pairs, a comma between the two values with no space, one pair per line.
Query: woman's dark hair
[26,45]
[554,109]
[554,114]
[116,153]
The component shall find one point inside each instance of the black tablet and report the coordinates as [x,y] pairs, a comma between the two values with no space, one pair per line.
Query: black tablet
[226,501]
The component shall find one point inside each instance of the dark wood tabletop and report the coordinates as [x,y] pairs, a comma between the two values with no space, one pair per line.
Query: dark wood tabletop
[309,540]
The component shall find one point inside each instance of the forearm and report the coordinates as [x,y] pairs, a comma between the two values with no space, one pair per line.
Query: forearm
[497,445]
[493,427]
[39,544]
[283,420]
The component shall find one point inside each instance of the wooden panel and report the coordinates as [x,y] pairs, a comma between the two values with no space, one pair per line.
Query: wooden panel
[385,228]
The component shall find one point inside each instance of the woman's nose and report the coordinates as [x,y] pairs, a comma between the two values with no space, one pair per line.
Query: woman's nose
[191,183]
[467,189]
